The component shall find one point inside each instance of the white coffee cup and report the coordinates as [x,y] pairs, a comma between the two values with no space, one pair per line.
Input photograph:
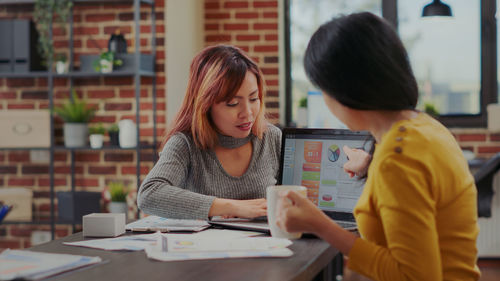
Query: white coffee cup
[272,195]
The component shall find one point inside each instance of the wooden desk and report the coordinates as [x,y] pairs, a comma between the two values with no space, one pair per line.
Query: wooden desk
[312,257]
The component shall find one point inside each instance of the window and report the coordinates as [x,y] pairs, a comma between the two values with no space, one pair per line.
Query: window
[454,60]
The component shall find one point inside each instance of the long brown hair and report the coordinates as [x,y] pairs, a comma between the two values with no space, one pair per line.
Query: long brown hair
[216,74]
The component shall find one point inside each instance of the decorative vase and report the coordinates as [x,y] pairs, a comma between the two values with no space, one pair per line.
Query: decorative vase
[61,67]
[96,140]
[118,207]
[75,134]
[106,66]
[127,135]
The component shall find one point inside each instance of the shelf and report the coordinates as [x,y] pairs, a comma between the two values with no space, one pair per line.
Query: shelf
[24,148]
[15,2]
[75,74]
[102,148]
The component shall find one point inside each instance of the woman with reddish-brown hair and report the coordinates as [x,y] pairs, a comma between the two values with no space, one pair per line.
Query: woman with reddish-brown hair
[220,153]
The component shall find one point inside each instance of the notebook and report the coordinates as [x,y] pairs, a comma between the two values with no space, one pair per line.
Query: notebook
[314,158]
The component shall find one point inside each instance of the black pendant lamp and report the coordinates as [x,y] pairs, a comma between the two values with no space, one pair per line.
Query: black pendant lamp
[436,8]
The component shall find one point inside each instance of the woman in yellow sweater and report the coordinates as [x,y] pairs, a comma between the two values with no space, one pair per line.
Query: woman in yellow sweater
[417,215]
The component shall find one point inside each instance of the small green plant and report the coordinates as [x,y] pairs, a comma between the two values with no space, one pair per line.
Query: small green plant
[61,57]
[113,128]
[431,109]
[303,102]
[75,110]
[118,191]
[97,130]
[106,56]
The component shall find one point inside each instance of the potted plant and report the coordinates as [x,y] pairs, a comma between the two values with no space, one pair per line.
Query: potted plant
[431,109]
[302,113]
[61,64]
[106,62]
[76,114]
[43,16]
[113,132]
[118,192]
[96,136]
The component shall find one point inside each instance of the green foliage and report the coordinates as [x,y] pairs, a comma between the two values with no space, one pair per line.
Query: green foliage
[431,109]
[43,15]
[108,56]
[97,130]
[303,102]
[61,57]
[113,128]
[118,191]
[75,110]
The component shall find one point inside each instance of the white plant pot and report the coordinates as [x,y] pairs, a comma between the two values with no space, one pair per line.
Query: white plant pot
[127,135]
[96,140]
[61,67]
[302,117]
[493,117]
[118,208]
[75,134]
[106,66]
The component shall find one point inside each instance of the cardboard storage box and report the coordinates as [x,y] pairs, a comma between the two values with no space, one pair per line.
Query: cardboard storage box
[24,128]
[21,200]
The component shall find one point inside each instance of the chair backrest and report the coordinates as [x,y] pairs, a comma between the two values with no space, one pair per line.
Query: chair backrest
[484,183]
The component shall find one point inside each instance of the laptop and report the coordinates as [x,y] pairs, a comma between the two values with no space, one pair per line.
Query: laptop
[314,158]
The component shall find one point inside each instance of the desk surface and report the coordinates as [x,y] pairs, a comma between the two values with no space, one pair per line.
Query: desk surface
[310,257]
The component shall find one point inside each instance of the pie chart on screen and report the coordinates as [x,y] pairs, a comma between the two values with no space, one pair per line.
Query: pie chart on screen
[333,153]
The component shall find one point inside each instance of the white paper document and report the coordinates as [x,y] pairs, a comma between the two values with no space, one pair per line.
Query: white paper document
[123,243]
[177,247]
[29,265]
[155,223]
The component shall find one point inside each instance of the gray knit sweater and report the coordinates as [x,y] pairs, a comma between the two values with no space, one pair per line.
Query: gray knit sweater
[186,179]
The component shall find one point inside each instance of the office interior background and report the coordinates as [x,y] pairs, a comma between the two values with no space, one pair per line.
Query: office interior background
[454,60]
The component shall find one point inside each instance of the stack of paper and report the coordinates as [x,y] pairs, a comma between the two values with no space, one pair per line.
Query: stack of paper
[155,223]
[21,264]
[209,245]
[126,243]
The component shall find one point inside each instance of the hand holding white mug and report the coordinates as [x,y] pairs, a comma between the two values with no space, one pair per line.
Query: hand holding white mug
[273,197]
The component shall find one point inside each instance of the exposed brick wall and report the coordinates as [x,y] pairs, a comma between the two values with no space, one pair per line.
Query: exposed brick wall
[114,97]
[479,140]
[253,26]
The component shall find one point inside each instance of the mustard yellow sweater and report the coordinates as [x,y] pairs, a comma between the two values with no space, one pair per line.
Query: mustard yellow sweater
[417,215]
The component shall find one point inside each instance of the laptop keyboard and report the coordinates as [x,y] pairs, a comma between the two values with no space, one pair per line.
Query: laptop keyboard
[346,224]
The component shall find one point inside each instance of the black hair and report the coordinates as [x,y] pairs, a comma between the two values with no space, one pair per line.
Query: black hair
[360,61]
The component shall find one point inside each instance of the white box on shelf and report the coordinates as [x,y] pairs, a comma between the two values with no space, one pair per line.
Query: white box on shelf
[20,199]
[493,117]
[25,128]
[103,225]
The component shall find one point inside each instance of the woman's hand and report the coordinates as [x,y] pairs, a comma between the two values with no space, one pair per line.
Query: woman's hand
[358,161]
[296,213]
[229,208]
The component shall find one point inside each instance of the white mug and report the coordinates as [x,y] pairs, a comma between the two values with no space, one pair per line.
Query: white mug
[272,196]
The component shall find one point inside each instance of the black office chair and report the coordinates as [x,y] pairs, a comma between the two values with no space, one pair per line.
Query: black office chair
[484,183]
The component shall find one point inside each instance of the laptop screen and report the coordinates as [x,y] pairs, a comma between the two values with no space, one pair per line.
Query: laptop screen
[314,158]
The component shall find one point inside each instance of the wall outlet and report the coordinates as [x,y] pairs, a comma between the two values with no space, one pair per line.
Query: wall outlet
[40,237]
[40,156]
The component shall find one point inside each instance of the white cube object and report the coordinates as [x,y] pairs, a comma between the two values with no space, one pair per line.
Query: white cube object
[103,225]
[493,117]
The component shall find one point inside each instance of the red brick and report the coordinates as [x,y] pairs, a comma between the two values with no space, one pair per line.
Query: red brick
[118,157]
[86,182]
[81,30]
[8,170]
[35,169]
[211,5]
[60,233]
[265,4]
[104,119]
[270,14]
[100,94]
[8,95]
[272,93]
[495,137]
[211,26]
[472,137]
[123,29]
[61,44]
[10,244]
[272,82]
[247,15]
[149,105]
[100,17]
[130,16]
[20,82]
[253,37]
[44,207]
[217,15]
[90,81]
[244,48]
[117,106]
[271,59]
[19,157]
[270,71]
[34,95]
[102,170]
[236,4]
[21,182]
[265,26]
[118,81]
[87,157]
[20,231]
[131,170]
[131,93]
[57,182]
[236,26]
[143,118]
[489,149]
[218,38]
[273,115]
[60,156]
[271,37]
[96,44]
[273,104]
[265,48]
